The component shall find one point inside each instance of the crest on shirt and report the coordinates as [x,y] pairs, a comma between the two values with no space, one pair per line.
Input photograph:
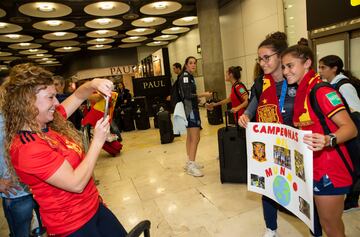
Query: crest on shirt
[73,147]
[333,98]
[268,114]
[242,90]
[186,80]
[291,91]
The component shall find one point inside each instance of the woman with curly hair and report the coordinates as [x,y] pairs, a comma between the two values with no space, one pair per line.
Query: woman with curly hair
[48,155]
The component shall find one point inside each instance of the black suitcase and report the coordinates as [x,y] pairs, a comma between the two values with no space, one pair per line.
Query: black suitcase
[165,127]
[127,119]
[230,114]
[215,116]
[142,121]
[232,154]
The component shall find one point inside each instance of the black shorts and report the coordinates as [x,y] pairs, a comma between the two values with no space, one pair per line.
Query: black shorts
[194,119]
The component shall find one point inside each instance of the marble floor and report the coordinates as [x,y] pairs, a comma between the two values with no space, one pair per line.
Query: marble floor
[147,181]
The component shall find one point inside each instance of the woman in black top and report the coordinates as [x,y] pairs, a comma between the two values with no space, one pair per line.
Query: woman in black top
[189,97]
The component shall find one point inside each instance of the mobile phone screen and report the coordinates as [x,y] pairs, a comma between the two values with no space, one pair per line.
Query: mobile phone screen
[106,110]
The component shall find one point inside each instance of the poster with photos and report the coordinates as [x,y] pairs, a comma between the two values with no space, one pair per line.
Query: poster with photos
[280,167]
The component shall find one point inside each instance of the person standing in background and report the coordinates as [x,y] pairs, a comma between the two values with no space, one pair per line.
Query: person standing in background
[331,69]
[187,89]
[177,70]
[238,96]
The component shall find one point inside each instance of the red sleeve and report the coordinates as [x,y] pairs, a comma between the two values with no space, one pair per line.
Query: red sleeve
[329,101]
[60,109]
[240,89]
[39,159]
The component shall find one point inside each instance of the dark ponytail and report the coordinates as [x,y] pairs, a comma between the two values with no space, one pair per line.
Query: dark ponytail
[235,71]
[276,41]
[333,61]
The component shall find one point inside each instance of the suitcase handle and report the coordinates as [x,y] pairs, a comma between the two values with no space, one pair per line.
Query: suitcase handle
[227,112]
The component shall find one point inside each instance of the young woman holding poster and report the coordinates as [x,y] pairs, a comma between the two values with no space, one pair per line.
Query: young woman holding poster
[331,177]
[278,98]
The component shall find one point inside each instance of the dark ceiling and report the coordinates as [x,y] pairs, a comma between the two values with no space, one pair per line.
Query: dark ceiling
[79,17]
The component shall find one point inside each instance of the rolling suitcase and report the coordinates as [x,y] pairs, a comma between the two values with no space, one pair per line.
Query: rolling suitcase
[142,121]
[165,127]
[232,154]
[127,120]
[215,116]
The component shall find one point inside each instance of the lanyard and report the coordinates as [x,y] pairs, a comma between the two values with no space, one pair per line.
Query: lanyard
[282,96]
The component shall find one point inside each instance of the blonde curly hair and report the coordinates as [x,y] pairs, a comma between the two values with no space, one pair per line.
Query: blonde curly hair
[18,98]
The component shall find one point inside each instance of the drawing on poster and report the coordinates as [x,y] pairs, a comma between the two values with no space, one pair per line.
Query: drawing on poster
[281,189]
[304,207]
[258,181]
[299,165]
[282,156]
[259,151]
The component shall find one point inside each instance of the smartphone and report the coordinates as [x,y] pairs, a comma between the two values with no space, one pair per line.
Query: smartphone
[106,110]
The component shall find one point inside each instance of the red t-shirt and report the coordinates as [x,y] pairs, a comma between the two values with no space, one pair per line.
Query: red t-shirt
[240,90]
[328,161]
[35,161]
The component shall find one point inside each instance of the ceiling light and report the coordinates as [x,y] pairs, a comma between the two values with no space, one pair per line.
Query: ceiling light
[101,32]
[140,30]
[67,48]
[2,25]
[13,36]
[39,55]
[165,36]
[99,45]
[49,62]
[291,18]
[157,42]
[45,7]
[160,5]
[53,23]
[134,37]
[175,28]
[59,34]
[188,18]
[103,21]
[106,6]
[100,39]
[33,50]
[44,59]
[24,44]
[290,6]
[148,19]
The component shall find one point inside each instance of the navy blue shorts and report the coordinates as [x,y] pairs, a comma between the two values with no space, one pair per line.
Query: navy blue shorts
[325,187]
[194,119]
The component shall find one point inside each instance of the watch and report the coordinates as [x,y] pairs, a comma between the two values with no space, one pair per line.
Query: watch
[332,142]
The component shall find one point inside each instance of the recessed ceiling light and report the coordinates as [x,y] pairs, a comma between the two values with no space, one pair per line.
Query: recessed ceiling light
[291,18]
[160,5]
[44,59]
[134,37]
[188,18]
[140,30]
[33,50]
[106,5]
[13,36]
[24,44]
[67,48]
[290,6]
[165,36]
[175,28]
[2,25]
[53,23]
[99,45]
[45,7]
[59,33]
[102,32]
[157,42]
[39,54]
[103,21]
[100,39]
[148,19]
[49,62]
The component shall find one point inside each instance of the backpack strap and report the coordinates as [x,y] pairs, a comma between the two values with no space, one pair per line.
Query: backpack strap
[317,110]
[341,82]
[235,91]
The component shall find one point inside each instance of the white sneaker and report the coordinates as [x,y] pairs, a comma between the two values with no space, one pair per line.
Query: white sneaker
[193,170]
[197,165]
[270,233]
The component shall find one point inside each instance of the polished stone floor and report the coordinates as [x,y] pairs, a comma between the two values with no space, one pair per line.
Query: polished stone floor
[147,181]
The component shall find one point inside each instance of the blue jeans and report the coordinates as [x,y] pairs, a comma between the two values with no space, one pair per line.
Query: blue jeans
[18,213]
